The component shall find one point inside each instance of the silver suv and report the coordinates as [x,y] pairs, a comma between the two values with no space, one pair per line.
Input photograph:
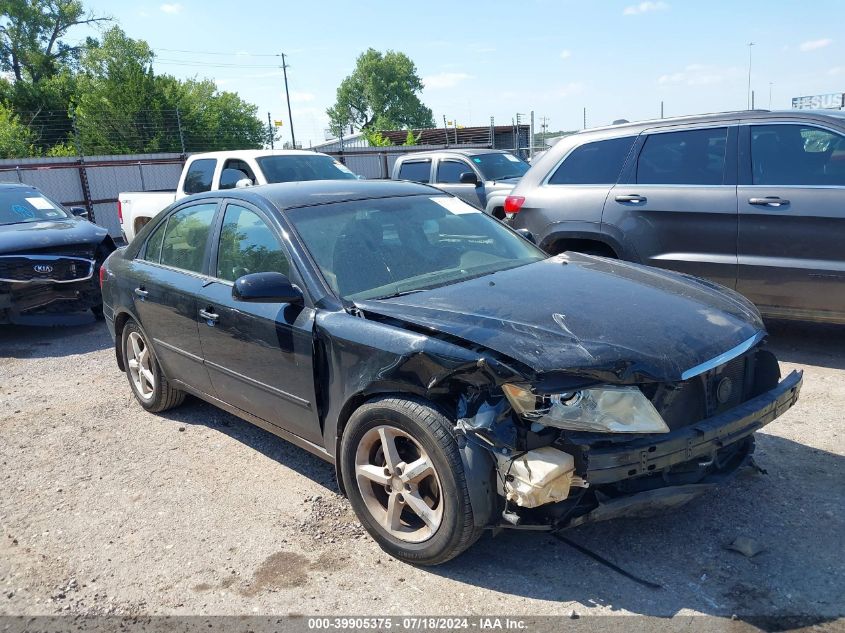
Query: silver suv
[481,177]
[753,200]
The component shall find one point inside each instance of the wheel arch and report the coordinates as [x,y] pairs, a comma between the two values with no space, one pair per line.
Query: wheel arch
[555,243]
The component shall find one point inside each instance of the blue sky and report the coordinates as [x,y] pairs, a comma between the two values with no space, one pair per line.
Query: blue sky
[617,58]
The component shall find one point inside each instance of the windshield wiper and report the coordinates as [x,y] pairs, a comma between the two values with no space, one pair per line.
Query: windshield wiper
[401,293]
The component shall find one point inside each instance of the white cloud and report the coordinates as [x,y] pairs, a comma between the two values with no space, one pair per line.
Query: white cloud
[700,75]
[171,8]
[444,80]
[813,45]
[645,7]
[565,54]
[301,97]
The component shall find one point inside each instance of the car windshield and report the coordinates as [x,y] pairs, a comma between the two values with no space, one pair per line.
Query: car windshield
[500,166]
[297,167]
[28,205]
[370,249]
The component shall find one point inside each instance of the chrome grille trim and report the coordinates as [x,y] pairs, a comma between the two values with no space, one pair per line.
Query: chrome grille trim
[53,258]
[723,358]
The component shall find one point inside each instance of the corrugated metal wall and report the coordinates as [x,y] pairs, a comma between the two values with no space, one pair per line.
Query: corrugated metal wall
[61,179]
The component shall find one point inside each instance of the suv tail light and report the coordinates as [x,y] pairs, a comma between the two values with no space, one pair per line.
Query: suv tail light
[119,212]
[102,273]
[514,203]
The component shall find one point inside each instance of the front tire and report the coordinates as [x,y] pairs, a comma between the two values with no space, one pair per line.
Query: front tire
[403,473]
[152,390]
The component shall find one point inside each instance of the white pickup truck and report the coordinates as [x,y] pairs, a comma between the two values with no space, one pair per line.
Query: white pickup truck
[227,170]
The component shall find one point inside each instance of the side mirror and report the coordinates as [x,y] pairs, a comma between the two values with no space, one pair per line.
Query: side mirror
[80,212]
[468,178]
[528,235]
[266,288]
[243,182]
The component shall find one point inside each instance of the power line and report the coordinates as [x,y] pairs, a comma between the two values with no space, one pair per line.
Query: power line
[187,62]
[180,50]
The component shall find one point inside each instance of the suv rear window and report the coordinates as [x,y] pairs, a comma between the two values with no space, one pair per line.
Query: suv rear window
[597,163]
[416,170]
[691,157]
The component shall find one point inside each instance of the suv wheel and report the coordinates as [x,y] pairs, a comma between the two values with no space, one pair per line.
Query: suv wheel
[148,383]
[404,476]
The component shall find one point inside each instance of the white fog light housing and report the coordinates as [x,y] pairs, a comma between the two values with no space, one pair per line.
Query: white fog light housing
[607,409]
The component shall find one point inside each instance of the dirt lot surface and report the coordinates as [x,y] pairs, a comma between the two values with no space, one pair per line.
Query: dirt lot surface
[106,509]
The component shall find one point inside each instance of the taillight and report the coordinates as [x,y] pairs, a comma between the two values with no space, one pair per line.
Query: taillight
[119,212]
[514,203]
[102,274]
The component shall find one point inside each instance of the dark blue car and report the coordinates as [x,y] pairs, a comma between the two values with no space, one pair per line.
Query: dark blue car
[458,377]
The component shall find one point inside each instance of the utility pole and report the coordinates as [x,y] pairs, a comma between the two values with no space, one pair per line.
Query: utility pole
[270,130]
[585,118]
[531,135]
[748,105]
[752,99]
[445,130]
[287,97]
[661,109]
[770,94]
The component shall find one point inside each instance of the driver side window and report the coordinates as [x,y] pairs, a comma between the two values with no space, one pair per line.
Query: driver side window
[248,245]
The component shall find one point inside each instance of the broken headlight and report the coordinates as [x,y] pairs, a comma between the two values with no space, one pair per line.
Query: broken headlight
[606,409]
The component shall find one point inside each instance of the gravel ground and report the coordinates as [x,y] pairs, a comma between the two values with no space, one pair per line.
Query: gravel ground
[106,509]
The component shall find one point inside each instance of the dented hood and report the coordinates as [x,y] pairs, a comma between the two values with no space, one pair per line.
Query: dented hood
[46,234]
[595,317]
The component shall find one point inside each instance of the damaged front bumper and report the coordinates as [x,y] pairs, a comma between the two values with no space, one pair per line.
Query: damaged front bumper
[650,474]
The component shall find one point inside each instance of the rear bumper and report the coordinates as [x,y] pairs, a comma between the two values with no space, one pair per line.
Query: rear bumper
[649,455]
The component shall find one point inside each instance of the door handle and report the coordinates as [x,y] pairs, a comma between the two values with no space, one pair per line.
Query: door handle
[210,317]
[635,198]
[769,201]
[141,292]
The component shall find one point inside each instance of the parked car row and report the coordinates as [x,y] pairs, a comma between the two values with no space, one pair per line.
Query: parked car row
[459,378]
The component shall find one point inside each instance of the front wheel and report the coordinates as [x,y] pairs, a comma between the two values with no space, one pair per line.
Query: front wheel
[405,480]
[148,383]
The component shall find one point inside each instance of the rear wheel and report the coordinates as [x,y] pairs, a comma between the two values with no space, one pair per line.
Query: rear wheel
[148,383]
[404,476]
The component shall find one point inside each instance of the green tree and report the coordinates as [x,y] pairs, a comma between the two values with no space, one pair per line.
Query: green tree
[32,47]
[16,141]
[380,94]
[42,64]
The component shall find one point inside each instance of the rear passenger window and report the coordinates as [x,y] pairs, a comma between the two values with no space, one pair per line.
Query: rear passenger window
[186,236]
[449,171]
[797,155]
[596,163]
[200,173]
[691,157]
[152,253]
[416,170]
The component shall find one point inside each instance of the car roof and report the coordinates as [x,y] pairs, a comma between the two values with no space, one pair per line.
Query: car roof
[716,117]
[256,153]
[14,185]
[287,195]
[456,152]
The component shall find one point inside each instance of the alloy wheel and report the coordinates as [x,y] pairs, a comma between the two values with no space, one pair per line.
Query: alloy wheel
[140,365]
[399,484]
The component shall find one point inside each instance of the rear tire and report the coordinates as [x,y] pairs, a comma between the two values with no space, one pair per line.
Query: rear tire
[427,468]
[152,390]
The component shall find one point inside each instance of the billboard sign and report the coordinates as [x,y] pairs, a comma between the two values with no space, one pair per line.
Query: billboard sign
[834,101]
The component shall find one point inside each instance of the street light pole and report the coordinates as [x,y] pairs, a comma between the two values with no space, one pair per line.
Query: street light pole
[748,105]
[287,97]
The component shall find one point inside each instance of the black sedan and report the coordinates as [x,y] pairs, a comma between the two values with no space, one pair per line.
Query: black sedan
[458,377]
[49,258]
